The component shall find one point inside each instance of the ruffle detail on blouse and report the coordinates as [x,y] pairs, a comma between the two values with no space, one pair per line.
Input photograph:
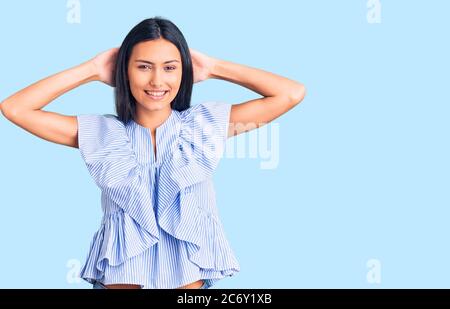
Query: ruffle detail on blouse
[111,161]
[196,155]
[210,249]
[119,238]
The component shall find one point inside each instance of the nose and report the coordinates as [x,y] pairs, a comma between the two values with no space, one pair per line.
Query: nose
[155,80]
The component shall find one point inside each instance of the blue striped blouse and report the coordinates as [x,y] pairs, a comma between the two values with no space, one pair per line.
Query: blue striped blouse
[160,227]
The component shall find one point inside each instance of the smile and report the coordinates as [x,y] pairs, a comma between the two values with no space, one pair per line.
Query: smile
[156,95]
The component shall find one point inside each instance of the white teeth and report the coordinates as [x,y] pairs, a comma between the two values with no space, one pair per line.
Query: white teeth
[155,94]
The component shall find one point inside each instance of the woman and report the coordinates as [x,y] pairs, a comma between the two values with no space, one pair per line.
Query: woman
[154,161]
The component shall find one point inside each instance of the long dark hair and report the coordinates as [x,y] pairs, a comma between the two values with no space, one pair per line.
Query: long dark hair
[146,30]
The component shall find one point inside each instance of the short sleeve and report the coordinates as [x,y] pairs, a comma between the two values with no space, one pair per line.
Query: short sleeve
[206,128]
[105,148]
[213,118]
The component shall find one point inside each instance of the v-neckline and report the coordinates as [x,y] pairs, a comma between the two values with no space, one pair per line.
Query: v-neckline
[154,143]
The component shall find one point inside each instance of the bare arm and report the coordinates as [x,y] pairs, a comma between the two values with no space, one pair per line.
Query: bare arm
[280,95]
[24,107]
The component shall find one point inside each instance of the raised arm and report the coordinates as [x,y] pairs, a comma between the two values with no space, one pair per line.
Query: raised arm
[279,93]
[24,107]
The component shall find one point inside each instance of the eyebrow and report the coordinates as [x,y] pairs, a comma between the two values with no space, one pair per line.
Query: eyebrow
[149,62]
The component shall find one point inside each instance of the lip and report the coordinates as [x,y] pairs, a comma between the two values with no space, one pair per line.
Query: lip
[156,98]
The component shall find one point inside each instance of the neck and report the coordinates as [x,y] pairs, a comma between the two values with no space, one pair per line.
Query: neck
[153,119]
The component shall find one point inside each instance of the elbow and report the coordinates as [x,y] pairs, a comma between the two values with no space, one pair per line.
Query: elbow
[298,94]
[7,111]
[3,109]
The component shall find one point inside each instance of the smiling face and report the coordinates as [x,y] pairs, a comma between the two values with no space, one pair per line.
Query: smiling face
[154,73]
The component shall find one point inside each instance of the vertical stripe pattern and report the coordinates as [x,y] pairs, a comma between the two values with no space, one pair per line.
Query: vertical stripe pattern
[161,227]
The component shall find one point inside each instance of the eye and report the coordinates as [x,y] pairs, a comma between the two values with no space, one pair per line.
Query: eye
[171,68]
[144,67]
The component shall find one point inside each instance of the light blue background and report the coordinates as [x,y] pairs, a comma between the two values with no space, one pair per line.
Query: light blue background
[363,167]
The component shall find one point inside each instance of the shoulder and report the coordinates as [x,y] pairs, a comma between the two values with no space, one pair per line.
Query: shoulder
[100,132]
[106,124]
[207,109]
[213,114]
[100,121]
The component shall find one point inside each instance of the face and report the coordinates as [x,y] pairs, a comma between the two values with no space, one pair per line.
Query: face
[154,73]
